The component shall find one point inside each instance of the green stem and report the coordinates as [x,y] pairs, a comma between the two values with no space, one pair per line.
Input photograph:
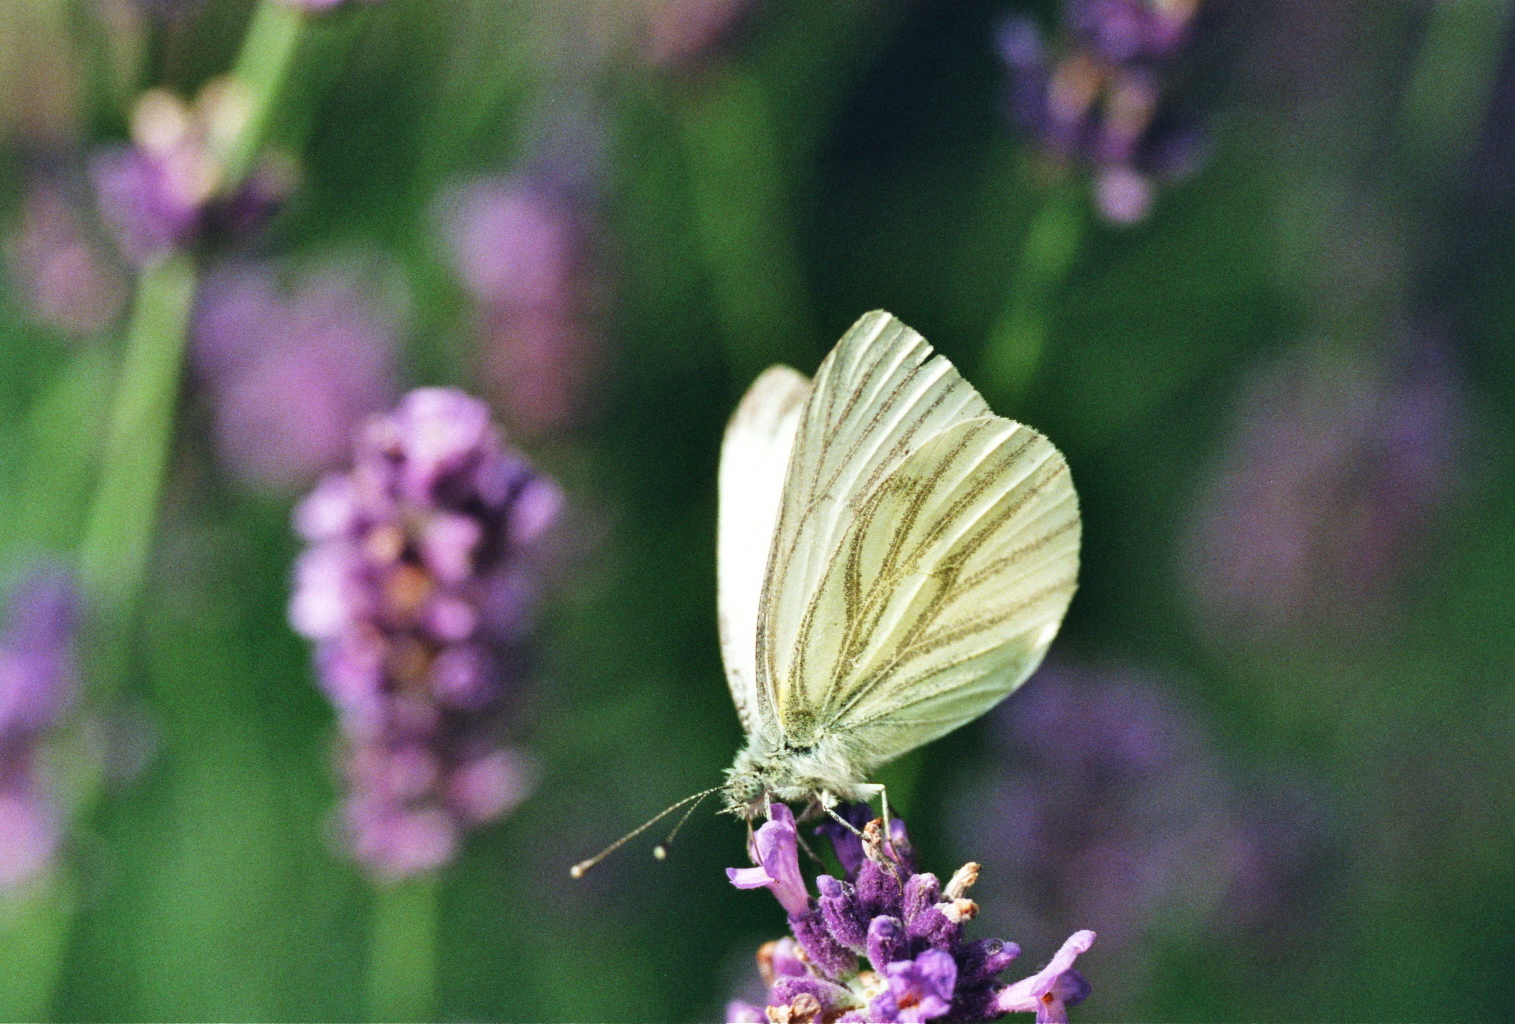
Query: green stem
[402,951]
[1019,338]
[1447,95]
[118,531]
[268,52]
[741,213]
[33,937]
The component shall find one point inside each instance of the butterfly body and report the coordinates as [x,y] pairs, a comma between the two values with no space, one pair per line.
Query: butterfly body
[825,772]
[893,560]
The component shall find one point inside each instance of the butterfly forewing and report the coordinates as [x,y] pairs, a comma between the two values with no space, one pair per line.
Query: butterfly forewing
[754,458]
[924,553]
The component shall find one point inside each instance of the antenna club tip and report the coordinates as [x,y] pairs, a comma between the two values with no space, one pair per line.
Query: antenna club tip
[577,871]
[660,852]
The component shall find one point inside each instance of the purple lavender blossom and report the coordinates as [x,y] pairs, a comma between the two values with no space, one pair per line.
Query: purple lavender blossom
[167,190]
[291,373]
[907,924]
[1107,804]
[1099,103]
[1336,466]
[417,590]
[60,270]
[775,848]
[38,688]
[518,247]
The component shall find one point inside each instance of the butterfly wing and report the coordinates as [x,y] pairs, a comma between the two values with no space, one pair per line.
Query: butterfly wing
[924,554]
[754,457]
[954,577]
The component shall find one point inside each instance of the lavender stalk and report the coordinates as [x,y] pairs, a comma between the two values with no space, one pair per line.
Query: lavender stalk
[118,533]
[741,203]
[402,951]
[113,554]
[1019,338]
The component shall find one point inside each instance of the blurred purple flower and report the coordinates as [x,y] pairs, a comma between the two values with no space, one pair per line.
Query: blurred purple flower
[1130,31]
[518,247]
[38,688]
[317,6]
[61,272]
[682,32]
[290,374]
[1099,103]
[167,190]
[1108,805]
[1335,469]
[417,591]
[907,924]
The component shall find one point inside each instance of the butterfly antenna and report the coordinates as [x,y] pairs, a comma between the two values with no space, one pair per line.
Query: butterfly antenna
[583,866]
[660,851]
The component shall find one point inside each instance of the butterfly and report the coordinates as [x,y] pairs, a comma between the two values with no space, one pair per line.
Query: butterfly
[893,560]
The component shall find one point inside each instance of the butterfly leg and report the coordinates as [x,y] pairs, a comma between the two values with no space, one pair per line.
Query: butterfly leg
[883,797]
[849,826]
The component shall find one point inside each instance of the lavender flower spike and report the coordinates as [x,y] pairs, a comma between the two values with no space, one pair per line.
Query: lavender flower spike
[1096,97]
[64,277]
[417,589]
[1050,991]
[909,926]
[520,248]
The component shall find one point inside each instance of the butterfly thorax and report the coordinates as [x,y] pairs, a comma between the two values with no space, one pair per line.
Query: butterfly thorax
[765,771]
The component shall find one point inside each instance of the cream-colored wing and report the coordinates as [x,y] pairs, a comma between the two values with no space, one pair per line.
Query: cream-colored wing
[945,589]
[925,553]
[754,458]
[878,397]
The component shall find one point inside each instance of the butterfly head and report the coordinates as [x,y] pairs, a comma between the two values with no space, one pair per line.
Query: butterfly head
[749,783]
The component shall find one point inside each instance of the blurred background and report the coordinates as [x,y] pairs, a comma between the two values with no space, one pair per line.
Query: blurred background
[1247,264]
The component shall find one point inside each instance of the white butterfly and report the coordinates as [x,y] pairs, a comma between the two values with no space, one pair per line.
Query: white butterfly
[893,560]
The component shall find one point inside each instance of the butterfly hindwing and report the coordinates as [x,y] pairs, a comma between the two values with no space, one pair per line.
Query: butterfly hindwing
[754,459]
